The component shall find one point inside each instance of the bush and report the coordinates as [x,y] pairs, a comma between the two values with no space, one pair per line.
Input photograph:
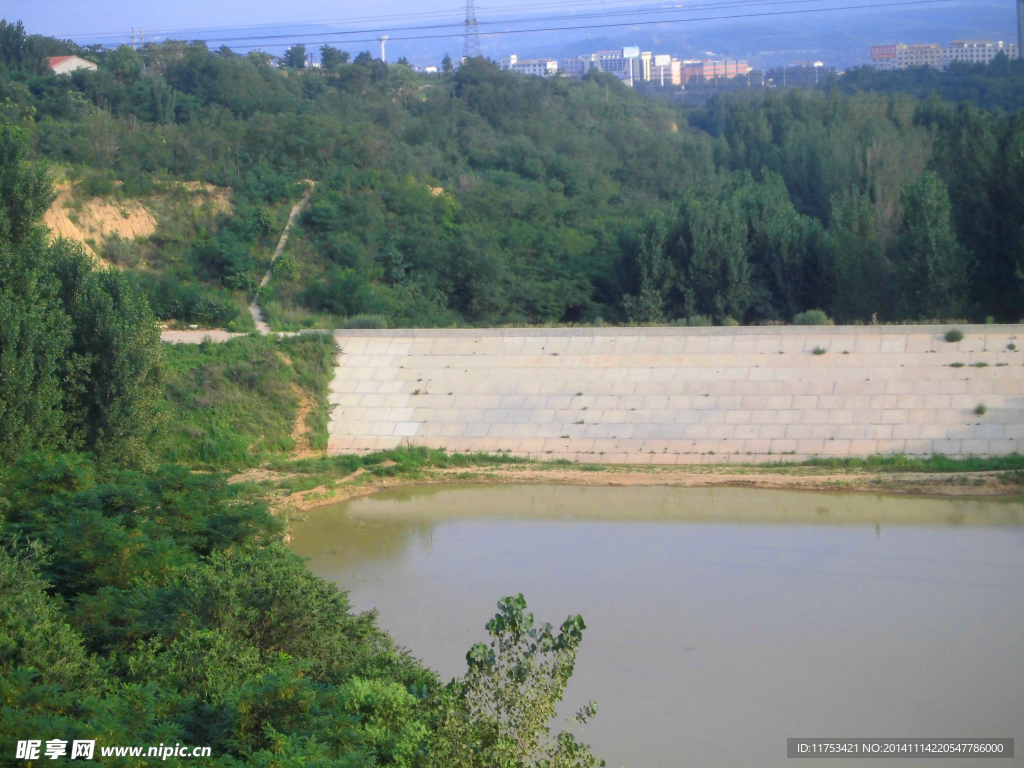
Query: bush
[954,335]
[811,317]
[364,321]
[189,302]
[980,409]
[820,350]
[120,251]
[730,322]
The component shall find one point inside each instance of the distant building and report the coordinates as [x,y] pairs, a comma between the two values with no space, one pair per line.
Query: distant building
[430,70]
[900,56]
[538,67]
[710,69]
[978,51]
[629,64]
[666,70]
[65,65]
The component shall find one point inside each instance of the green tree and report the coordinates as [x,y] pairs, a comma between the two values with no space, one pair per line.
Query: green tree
[114,372]
[712,244]
[34,331]
[19,52]
[124,63]
[931,266]
[497,715]
[446,64]
[331,57]
[295,57]
[861,267]
[657,274]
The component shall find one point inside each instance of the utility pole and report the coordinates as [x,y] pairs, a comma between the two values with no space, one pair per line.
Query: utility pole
[133,38]
[471,41]
[1020,28]
[383,39]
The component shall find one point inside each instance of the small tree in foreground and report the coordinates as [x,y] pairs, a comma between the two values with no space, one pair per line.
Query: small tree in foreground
[497,715]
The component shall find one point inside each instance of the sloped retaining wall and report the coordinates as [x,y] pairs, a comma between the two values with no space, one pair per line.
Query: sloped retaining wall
[682,395]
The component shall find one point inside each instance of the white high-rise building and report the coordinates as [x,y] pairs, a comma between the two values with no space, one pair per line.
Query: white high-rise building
[538,67]
[629,64]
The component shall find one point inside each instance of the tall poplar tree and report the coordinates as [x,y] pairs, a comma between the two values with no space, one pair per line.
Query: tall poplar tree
[931,266]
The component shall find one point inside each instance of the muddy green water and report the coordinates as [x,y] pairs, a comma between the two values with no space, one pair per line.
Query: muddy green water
[720,621]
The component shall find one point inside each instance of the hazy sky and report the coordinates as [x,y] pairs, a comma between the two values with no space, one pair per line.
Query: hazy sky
[839,38]
[69,18]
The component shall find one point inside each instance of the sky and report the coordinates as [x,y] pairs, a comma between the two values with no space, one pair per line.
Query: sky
[768,34]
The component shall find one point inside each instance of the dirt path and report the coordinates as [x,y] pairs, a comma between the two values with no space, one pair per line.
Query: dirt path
[254,309]
[197,336]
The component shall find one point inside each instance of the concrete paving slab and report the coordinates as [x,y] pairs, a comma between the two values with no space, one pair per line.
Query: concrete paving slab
[685,391]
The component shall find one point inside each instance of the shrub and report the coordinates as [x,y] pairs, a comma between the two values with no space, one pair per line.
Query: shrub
[811,317]
[364,321]
[731,322]
[698,321]
[120,251]
[820,350]
[980,409]
[189,302]
[954,335]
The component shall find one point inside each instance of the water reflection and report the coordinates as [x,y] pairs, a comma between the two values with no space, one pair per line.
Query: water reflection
[716,617]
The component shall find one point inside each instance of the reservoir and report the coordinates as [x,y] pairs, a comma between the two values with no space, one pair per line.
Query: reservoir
[719,621]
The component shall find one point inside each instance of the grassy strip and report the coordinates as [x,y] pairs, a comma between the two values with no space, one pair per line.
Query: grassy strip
[407,461]
[413,462]
[901,463]
[234,404]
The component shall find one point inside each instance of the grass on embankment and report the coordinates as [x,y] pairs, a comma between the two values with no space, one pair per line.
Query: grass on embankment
[235,404]
[901,463]
[415,463]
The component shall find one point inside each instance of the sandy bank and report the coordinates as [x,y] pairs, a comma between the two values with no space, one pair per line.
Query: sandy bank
[952,484]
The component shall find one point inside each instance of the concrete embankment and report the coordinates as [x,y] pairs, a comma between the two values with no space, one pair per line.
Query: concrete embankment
[682,395]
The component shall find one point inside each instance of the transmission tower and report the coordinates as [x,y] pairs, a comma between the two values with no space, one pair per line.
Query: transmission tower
[471,43]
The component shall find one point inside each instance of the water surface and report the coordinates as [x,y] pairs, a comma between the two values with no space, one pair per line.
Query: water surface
[720,621]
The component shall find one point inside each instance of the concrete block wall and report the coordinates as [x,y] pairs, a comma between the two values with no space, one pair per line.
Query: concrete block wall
[682,395]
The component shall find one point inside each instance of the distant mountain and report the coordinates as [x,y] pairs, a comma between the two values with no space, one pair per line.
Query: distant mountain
[841,39]
[838,38]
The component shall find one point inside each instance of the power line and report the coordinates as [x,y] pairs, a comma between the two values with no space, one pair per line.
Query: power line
[519,21]
[535,20]
[453,13]
[602,26]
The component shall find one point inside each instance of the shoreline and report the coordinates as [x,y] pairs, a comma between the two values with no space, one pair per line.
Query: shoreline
[986,484]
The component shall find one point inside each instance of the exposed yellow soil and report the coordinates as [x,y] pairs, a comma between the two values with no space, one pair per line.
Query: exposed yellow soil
[792,479]
[96,219]
[300,429]
[218,197]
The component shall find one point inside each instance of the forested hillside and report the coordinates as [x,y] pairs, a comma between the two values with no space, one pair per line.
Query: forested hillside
[998,85]
[145,605]
[483,198]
